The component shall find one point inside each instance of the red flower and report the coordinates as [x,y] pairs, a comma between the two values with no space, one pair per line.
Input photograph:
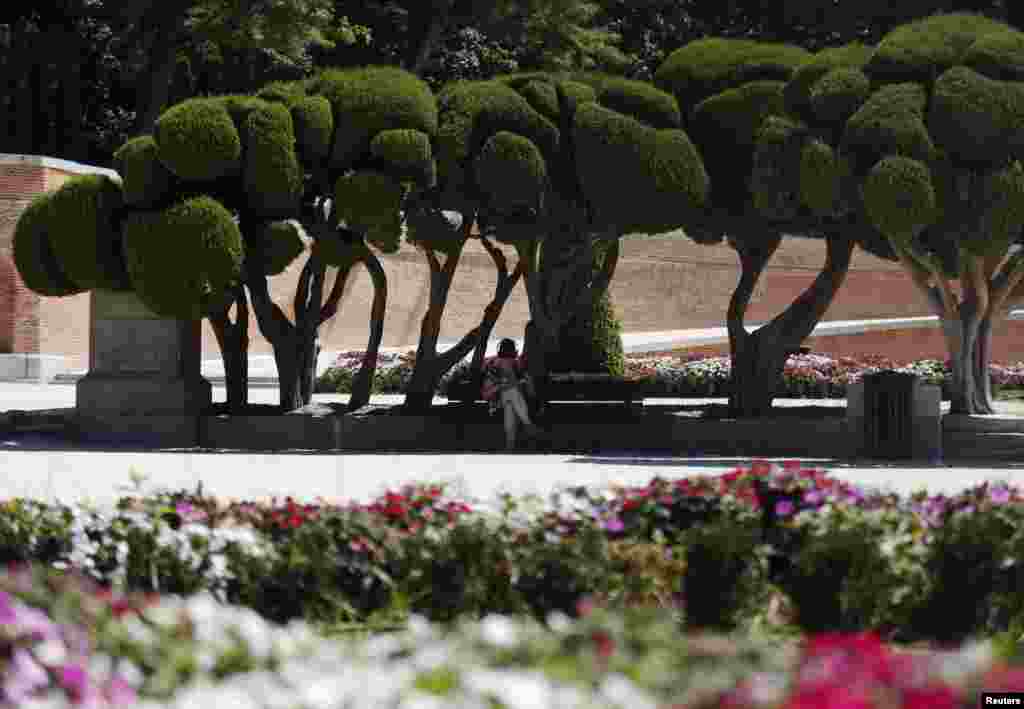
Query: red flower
[605,645]
[295,521]
[931,698]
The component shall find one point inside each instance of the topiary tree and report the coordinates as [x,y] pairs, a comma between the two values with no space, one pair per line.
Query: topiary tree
[530,154]
[746,104]
[933,150]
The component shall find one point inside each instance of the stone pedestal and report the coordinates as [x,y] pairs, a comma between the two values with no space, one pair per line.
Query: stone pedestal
[927,421]
[144,383]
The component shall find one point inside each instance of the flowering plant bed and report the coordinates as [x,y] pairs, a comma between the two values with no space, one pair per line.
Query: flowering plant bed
[678,374]
[73,644]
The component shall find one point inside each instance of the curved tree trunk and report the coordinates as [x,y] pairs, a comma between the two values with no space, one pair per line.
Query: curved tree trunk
[233,339]
[362,383]
[759,358]
[982,372]
[503,288]
[430,365]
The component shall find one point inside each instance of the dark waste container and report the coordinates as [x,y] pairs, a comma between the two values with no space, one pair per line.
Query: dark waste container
[889,414]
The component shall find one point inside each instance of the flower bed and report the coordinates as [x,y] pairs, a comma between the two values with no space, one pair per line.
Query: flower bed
[805,376]
[71,644]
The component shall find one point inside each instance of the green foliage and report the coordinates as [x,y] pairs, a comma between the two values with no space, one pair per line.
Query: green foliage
[920,51]
[239,106]
[184,259]
[511,172]
[370,203]
[314,128]
[591,342]
[821,178]
[733,118]
[1002,194]
[85,238]
[273,177]
[975,119]
[472,112]
[636,99]
[838,94]
[775,181]
[197,140]
[637,179]
[33,255]
[339,250]
[706,67]
[286,92]
[369,100]
[899,197]
[542,97]
[999,55]
[146,181]
[276,247]
[405,155]
[891,122]
[798,91]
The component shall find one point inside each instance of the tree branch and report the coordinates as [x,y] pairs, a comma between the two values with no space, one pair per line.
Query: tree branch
[753,258]
[1005,282]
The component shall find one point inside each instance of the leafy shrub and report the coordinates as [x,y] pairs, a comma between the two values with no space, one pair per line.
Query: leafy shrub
[147,182]
[34,256]
[197,140]
[273,178]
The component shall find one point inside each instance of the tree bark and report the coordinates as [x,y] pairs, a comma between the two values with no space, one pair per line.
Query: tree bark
[155,81]
[430,365]
[759,358]
[502,290]
[233,339]
[362,383]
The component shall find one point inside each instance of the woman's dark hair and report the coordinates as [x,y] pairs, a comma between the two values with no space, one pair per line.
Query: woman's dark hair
[507,348]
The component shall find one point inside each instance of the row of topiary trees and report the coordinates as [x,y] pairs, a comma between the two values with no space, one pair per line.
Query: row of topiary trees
[909,149]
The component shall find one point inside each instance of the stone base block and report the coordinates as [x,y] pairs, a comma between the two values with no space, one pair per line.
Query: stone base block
[144,431]
[927,443]
[122,395]
[285,432]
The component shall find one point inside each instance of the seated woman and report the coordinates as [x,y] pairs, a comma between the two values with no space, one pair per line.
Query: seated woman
[504,389]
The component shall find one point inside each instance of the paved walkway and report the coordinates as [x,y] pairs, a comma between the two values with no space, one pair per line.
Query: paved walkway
[47,467]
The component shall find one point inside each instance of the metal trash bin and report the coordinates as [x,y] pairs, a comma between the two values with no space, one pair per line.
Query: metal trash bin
[889,414]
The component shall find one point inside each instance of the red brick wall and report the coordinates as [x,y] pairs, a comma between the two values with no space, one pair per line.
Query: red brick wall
[19,307]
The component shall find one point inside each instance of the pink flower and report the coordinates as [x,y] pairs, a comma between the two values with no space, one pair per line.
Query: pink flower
[784,508]
[614,525]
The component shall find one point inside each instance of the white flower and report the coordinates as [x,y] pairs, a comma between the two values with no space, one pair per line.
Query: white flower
[624,693]
[559,622]
[51,652]
[499,631]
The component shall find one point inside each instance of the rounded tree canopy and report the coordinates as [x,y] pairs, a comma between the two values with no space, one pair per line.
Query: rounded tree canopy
[472,112]
[839,94]
[921,50]
[85,237]
[636,99]
[822,178]
[285,92]
[511,172]
[314,128]
[198,141]
[184,259]
[891,122]
[147,182]
[900,198]
[733,118]
[705,67]
[369,100]
[33,255]
[636,179]
[775,174]
[975,119]
[405,155]
[280,243]
[370,203]
[798,89]
[273,177]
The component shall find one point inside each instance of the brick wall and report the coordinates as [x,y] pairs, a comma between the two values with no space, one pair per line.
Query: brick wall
[661,284]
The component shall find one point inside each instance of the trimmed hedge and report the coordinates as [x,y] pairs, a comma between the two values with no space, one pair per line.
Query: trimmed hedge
[279,245]
[636,99]
[405,155]
[706,67]
[314,128]
[273,178]
[976,119]
[999,55]
[775,175]
[1002,194]
[899,197]
[85,238]
[921,50]
[821,178]
[839,94]
[184,259]
[146,181]
[472,112]
[369,100]
[798,90]
[370,203]
[733,118]
[286,92]
[591,342]
[511,171]
[197,140]
[33,254]
[637,179]
[891,122]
